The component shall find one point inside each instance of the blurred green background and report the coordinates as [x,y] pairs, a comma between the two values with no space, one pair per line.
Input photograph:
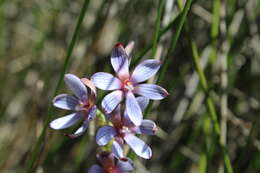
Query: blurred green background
[219,39]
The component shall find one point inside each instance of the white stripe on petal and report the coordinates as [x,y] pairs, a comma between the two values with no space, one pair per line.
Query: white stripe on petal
[145,70]
[139,147]
[119,61]
[111,100]
[105,134]
[151,91]
[65,101]
[64,122]
[106,81]
[75,84]
[133,109]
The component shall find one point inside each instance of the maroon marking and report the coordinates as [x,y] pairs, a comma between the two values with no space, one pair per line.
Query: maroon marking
[119,45]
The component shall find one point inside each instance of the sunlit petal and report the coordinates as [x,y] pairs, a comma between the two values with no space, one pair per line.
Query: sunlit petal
[151,91]
[119,61]
[106,81]
[65,101]
[111,100]
[133,109]
[105,134]
[64,122]
[75,84]
[145,70]
[138,146]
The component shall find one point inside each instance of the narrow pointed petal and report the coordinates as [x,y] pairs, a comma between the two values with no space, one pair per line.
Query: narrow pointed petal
[147,127]
[105,134]
[125,166]
[133,109]
[75,84]
[119,61]
[111,100]
[64,122]
[96,169]
[65,101]
[117,150]
[151,91]
[143,102]
[145,70]
[138,146]
[106,81]
[129,47]
[80,130]
[90,85]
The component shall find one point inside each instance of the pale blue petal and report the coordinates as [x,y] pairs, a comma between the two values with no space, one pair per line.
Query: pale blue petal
[145,70]
[76,86]
[143,102]
[125,166]
[65,101]
[151,91]
[111,100]
[117,150]
[147,127]
[80,130]
[96,169]
[64,122]
[127,121]
[133,109]
[106,81]
[105,134]
[119,61]
[138,146]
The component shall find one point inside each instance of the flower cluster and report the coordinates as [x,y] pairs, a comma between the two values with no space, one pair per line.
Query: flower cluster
[122,107]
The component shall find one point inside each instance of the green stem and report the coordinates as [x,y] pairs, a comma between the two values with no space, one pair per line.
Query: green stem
[205,87]
[161,33]
[210,104]
[175,39]
[157,28]
[34,156]
[171,47]
[215,19]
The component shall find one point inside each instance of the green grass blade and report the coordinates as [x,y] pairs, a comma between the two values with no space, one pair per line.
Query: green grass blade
[157,27]
[203,163]
[172,46]
[210,104]
[175,38]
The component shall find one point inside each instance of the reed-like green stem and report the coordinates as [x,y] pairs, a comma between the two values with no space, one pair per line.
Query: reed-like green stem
[35,154]
[172,46]
[174,40]
[205,87]
[161,33]
[203,163]
[157,27]
[210,104]
[215,19]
